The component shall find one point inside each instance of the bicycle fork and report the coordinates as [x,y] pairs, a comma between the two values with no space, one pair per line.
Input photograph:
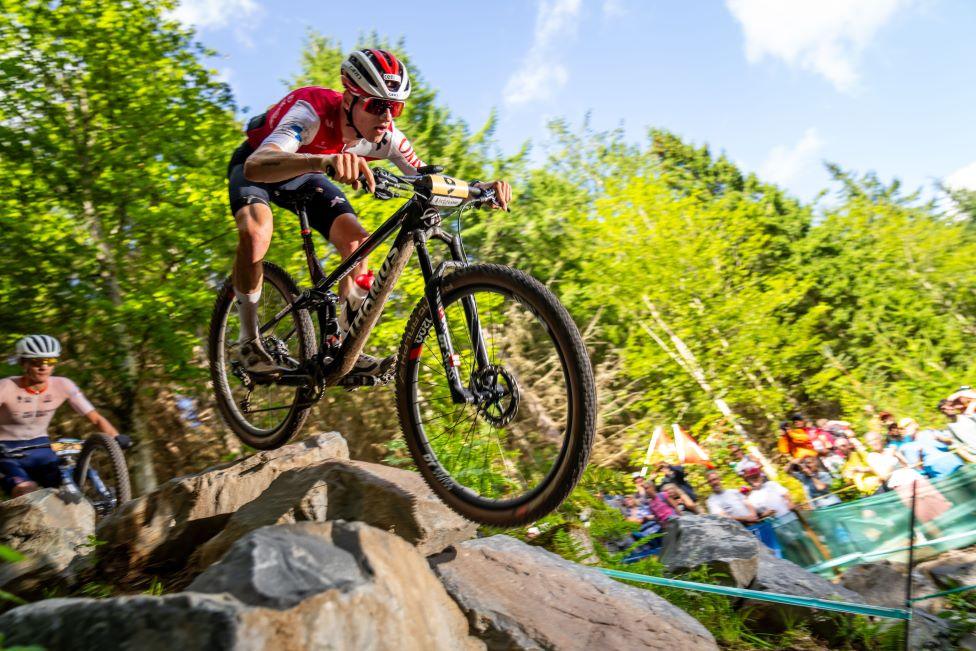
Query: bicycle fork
[432,292]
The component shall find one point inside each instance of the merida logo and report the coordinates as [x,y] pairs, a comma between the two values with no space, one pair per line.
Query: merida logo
[378,284]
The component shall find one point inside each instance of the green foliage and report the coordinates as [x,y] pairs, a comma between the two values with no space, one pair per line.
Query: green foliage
[8,555]
[30,647]
[96,590]
[156,588]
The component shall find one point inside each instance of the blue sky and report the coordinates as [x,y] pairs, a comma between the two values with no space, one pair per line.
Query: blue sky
[778,85]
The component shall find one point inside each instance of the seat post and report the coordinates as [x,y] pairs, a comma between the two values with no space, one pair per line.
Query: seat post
[314,267]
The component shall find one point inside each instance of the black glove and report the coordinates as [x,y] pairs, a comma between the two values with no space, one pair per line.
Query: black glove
[124,441]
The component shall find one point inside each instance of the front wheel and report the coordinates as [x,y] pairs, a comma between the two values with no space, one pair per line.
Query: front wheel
[101,474]
[516,454]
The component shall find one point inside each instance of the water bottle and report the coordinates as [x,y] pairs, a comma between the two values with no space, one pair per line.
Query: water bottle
[354,301]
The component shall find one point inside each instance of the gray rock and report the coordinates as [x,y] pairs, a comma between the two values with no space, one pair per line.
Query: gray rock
[49,531]
[953,568]
[306,586]
[187,622]
[883,583]
[156,533]
[517,596]
[394,500]
[722,545]
[275,567]
[785,577]
[296,495]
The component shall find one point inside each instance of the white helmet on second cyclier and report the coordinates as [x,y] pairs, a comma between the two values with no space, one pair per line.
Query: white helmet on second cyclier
[376,73]
[36,346]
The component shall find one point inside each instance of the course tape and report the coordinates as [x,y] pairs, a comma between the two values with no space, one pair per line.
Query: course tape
[962,588]
[758,595]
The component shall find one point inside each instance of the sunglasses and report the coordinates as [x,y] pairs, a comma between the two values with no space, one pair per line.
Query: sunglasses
[378,106]
[45,361]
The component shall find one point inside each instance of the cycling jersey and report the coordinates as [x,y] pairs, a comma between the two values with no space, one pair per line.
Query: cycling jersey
[309,120]
[25,415]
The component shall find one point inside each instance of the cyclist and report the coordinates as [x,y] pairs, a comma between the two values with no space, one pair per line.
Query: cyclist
[27,404]
[315,129]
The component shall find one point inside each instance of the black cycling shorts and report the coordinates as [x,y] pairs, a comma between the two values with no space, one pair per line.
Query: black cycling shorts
[322,209]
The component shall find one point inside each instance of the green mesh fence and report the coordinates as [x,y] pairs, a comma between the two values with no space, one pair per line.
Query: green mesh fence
[877,527]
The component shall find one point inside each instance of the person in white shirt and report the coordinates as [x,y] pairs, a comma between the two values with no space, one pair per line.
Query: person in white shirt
[769,497]
[729,503]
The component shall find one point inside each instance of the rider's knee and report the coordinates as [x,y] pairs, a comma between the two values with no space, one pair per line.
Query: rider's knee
[23,488]
[254,225]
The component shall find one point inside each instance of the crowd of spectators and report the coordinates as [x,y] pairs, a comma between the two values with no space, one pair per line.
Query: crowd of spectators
[828,460]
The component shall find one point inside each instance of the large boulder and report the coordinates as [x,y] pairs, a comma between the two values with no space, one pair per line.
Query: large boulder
[517,596]
[391,499]
[720,544]
[883,583]
[953,568]
[302,586]
[157,532]
[785,577]
[49,531]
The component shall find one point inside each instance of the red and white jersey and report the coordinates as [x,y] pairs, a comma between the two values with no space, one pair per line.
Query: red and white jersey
[25,415]
[309,120]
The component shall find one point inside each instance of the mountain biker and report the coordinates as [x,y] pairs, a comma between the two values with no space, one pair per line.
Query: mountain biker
[27,404]
[316,129]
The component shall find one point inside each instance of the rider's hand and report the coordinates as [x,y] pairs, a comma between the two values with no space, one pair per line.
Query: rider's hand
[124,441]
[503,193]
[347,168]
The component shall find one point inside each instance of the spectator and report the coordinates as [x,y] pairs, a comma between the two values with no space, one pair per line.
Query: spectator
[881,459]
[634,511]
[799,440]
[961,426]
[730,503]
[679,499]
[856,468]
[742,462]
[639,489]
[927,450]
[659,506]
[668,474]
[833,459]
[769,497]
[966,398]
[733,504]
[816,482]
[837,428]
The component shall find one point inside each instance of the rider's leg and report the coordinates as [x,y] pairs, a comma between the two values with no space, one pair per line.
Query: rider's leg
[22,488]
[346,234]
[255,225]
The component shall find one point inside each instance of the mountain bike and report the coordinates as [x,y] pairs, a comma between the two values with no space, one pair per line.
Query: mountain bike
[94,468]
[494,388]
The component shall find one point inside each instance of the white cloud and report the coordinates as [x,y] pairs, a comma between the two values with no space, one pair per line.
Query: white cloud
[204,14]
[963,178]
[541,73]
[823,36]
[784,164]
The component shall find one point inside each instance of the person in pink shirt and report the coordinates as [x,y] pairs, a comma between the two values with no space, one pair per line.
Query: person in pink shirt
[27,405]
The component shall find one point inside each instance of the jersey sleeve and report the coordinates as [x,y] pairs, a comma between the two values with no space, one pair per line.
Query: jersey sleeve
[76,398]
[297,127]
[401,153]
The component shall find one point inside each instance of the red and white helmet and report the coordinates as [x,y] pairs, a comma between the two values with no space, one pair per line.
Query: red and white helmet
[376,73]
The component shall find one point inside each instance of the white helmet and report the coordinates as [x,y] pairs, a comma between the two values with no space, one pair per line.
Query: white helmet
[35,346]
[376,73]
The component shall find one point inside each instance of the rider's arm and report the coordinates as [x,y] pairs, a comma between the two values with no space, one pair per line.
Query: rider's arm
[270,164]
[101,423]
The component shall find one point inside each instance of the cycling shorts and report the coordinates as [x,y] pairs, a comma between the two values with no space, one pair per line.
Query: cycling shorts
[39,465]
[322,209]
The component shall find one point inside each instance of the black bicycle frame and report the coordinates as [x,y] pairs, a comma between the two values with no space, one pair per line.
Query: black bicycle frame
[417,224]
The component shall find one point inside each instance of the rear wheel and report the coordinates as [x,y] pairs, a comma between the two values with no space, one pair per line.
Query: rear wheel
[264,416]
[517,454]
[101,474]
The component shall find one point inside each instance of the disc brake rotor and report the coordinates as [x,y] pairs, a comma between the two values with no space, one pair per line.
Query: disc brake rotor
[501,395]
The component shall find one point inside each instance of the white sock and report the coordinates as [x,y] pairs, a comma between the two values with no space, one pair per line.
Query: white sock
[247,305]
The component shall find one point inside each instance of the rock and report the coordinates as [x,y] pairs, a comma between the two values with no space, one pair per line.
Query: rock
[157,532]
[395,500]
[339,585]
[46,529]
[785,577]
[517,596]
[187,622]
[301,586]
[722,545]
[296,495]
[952,569]
[883,584]
[387,498]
